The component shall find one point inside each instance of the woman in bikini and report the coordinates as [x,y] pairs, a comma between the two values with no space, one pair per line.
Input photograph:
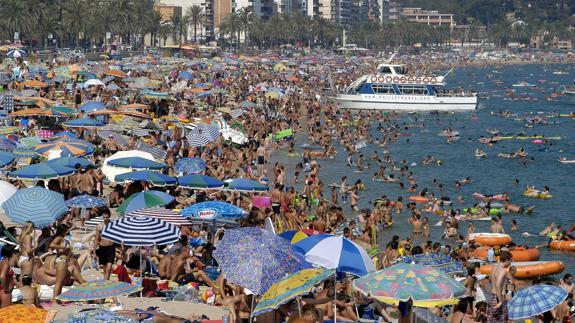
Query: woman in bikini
[9,260]
[27,248]
[64,265]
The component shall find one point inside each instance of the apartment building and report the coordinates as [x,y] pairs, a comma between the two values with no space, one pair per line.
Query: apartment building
[428,17]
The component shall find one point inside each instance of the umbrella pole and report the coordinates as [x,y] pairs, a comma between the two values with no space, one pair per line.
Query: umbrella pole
[252,308]
[141,273]
[299,305]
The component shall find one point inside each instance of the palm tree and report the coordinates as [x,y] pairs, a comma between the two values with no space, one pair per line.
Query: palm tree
[74,17]
[14,17]
[194,16]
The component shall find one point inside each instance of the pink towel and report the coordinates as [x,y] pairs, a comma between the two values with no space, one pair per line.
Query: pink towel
[261,201]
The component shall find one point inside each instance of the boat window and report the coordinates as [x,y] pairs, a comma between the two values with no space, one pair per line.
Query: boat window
[382,89]
[385,70]
[413,89]
[399,69]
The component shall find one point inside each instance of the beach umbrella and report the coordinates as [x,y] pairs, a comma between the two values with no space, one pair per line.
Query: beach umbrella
[24,152]
[30,141]
[9,130]
[162,214]
[36,204]
[71,162]
[336,252]
[197,181]
[16,53]
[141,231]
[209,131]
[535,300]
[98,289]
[294,236]
[66,135]
[155,95]
[41,171]
[82,122]
[111,171]
[294,285]
[6,158]
[21,313]
[439,261]
[214,210]
[118,138]
[7,144]
[64,111]
[186,75]
[136,163]
[246,185]
[94,82]
[144,200]
[116,73]
[247,104]
[6,191]
[195,140]
[35,84]
[74,147]
[255,258]
[425,286]
[272,95]
[189,165]
[86,201]
[92,106]
[156,178]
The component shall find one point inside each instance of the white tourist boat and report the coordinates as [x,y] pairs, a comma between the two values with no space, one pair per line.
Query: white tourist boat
[392,88]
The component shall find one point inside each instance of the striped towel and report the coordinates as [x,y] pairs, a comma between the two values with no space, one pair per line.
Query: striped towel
[157,152]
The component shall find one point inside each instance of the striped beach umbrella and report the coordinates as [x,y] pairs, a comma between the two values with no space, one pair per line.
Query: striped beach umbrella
[92,105]
[7,144]
[83,122]
[136,163]
[16,53]
[155,178]
[144,200]
[98,289]
[141,231]
[24,152]
[41,171]
[336,252]
[72,147]
[209,131]
[36,204]
[162,214]
[197,181]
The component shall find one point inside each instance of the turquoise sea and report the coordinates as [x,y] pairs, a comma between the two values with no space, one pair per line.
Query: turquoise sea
[491,175]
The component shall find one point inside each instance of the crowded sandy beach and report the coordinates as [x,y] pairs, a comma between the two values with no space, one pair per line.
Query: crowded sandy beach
[235,188]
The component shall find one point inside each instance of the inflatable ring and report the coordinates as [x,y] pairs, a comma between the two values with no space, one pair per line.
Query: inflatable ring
[395,79]
[490,239]
[402,79]
[568,245]
[381,79]
[410,79]
[373,79]
[425,80]
[388,79]
[519,254]
[530,269]
[433,80]
[418,79]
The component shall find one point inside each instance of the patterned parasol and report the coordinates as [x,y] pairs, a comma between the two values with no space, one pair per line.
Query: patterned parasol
[98,289]
[425,286]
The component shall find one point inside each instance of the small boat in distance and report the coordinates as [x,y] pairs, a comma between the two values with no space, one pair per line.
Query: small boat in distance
[564,160]
[524,84]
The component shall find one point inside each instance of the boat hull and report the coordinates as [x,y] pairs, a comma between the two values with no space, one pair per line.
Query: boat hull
[406,102]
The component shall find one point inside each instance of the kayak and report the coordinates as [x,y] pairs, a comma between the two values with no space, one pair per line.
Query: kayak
[530,269]
[518,253]
[490,239]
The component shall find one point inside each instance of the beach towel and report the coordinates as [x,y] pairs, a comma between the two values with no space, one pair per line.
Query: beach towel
[123,275]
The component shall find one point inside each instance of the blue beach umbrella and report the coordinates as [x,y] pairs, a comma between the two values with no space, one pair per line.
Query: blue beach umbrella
[214,210]
[186,76]
[136,162]
[336,252]
[86,201]
[158,179]
[189,165]
[16,53]
[535,300]
[92,106]
[24,152]
[36,204]
[247,104]
[144,200]
[197,181]
[255,258]
[7,144]
[83,122]
[246,185]
[66,135]
[71,162]
[41,171]
[6,158]
[438,261]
